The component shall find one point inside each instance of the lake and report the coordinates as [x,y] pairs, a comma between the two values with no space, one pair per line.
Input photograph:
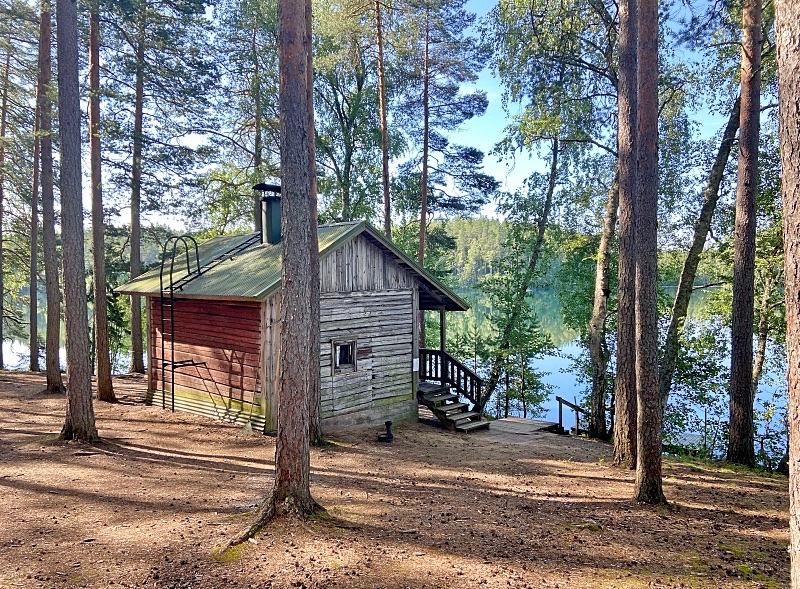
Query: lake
[558,369]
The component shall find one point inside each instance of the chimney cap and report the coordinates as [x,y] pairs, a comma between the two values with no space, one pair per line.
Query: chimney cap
[262,187]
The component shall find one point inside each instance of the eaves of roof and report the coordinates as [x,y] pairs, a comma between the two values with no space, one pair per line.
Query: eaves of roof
[255,272]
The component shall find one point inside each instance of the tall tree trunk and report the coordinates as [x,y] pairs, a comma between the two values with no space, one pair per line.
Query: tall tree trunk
[137,351]
[740,443]
[105,388]
[33,266]
[298,364]
[499,360]
[423,189]
[507,393]
[649,418]
[384,123]
[702,226]
[3,127]
[314,391]
[79,423]
[625,390]
[597,335]
[55,383]
[787,35]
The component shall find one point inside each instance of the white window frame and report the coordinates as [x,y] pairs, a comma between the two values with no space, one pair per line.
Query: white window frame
[338,367]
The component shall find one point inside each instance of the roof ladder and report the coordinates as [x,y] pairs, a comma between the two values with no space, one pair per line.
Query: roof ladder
[167,308]
[171,253]
[226,255]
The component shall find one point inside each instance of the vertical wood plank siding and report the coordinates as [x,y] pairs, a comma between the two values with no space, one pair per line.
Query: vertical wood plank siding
[223,336]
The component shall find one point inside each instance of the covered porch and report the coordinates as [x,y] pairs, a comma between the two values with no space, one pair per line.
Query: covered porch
[447,387]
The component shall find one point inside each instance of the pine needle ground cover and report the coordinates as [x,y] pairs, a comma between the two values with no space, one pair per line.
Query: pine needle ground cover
[148,507]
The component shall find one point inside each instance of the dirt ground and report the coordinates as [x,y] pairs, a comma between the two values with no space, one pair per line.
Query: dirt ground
[432,509]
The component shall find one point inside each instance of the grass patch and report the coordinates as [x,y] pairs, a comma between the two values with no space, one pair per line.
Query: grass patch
[696,464]
[48,440]
[698,564]
[230,555]
[237,516]
[736,551]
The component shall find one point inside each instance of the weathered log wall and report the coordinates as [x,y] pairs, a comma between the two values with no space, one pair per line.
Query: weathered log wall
[367,297]
[381,324]
[358,265]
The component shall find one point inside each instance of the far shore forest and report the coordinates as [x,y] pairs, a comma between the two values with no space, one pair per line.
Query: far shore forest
[181,100]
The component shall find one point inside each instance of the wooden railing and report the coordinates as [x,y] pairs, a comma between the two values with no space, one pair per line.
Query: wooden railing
[578,410]
[436,365]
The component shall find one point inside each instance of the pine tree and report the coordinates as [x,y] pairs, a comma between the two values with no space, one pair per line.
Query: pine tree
[79,423]
[740,443]
[787,25]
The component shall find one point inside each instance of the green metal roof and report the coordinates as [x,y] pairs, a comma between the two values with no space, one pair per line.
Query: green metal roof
[255,272]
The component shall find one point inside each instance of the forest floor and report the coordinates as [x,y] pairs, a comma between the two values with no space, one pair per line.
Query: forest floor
[148,506]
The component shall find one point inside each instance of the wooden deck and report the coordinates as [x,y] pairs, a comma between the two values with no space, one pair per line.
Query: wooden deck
[516,430]
[509,430]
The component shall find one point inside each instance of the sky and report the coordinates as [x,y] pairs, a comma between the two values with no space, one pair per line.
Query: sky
[486,131]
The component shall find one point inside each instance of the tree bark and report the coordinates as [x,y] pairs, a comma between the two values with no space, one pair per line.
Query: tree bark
[33,266]
[740,444]
[3,127]
[298,365]
[137,350]
[689,271]
[423,189]
[384,124]
[597,336]
[298,361]
[625,390]
[649,417]
[79,423]
[258,141]
[787,35]
[55,383]
[105,388]
[762,332]
[316,437]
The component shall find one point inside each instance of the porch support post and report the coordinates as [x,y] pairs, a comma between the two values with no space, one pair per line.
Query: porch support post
[442,330]
[442,340]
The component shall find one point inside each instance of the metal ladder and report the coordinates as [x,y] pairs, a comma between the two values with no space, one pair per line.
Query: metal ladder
[169,286]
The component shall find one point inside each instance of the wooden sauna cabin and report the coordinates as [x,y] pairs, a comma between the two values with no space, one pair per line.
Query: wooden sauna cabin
[213,331]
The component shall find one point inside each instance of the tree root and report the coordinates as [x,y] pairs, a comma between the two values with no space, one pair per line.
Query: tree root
[270,509]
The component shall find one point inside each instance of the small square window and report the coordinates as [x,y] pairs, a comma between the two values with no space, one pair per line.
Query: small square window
[344,356]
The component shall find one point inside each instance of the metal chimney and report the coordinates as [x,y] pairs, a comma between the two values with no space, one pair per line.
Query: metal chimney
[270,202]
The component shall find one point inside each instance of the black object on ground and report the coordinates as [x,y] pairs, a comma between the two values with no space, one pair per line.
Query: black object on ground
[388,436]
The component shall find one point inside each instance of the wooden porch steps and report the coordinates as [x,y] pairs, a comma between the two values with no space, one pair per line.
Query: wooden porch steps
[448,409]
